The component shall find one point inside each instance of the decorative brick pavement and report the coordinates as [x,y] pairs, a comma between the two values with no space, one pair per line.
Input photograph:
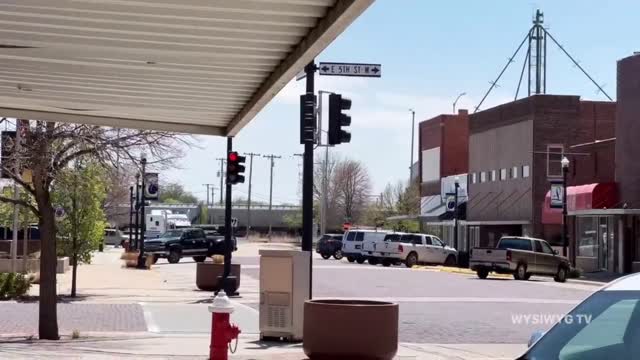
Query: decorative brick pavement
[22,318]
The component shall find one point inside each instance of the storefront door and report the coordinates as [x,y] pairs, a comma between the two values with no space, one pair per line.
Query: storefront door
[603,232]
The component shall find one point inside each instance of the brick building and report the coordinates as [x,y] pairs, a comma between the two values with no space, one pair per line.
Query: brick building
[607,238]
[515,151]
[443,157]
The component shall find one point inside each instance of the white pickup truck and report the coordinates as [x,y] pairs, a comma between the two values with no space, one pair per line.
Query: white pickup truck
[410,249]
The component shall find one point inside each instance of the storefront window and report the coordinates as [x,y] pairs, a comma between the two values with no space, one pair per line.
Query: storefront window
[588,236]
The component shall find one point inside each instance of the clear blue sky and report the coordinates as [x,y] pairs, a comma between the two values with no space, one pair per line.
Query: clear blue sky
[431,51]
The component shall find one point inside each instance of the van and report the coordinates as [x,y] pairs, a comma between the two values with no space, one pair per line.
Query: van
[356,241]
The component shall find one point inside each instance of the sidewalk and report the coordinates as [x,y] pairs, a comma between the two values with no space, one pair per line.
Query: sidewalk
[145,346]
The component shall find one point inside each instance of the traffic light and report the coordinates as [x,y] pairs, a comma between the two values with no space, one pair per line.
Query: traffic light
[235,168]
[338,119]
[307,118]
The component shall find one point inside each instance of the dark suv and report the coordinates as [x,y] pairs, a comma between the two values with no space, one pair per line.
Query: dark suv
[330,245]
[178,243]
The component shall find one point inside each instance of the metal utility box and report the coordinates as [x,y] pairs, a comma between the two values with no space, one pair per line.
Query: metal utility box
[284,287]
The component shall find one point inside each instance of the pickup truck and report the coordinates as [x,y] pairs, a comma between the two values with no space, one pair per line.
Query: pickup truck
[178,243]
[411,249]
[520,256]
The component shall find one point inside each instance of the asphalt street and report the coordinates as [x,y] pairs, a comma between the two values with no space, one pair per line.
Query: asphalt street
[435,307]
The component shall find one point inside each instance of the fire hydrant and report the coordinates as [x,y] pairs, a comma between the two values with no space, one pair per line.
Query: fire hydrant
[222,332]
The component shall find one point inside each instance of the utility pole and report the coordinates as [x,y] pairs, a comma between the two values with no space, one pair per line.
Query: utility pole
[324,209]
[413,127]
[299,176]
[208,187]
[251,155]
[222,161]
[271,158]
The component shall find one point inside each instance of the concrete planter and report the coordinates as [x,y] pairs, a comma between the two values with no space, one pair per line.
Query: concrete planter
[33,265]
[350,329]
[207,275]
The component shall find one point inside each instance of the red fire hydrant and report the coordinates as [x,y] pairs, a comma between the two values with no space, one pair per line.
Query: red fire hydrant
[222,332]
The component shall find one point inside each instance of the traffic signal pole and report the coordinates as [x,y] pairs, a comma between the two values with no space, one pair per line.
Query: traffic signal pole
[307,184]
[227,220]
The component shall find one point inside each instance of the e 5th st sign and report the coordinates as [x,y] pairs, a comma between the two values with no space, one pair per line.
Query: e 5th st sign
[350,69]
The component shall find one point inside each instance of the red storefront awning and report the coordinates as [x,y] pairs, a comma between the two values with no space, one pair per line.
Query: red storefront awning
[581,197]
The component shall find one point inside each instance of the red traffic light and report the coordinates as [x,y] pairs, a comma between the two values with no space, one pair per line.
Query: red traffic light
[233,156]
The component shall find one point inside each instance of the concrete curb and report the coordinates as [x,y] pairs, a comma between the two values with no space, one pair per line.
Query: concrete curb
[455,270]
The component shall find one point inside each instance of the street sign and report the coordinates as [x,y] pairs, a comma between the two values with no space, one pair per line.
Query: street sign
[59,213]
[350,69]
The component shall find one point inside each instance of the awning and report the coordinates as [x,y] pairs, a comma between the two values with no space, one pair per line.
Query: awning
[432,207]
[580,198]
[193,66]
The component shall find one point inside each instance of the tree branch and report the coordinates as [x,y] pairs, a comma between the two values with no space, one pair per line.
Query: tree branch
[21,203]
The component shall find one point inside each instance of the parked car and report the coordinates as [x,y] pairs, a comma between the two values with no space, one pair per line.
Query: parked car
[178,243]
[412,249]
[354,240]
[215,234]
[114,237]
[330,245]
[606,325]
[520,256]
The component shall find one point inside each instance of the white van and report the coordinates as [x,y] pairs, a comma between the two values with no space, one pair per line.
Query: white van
[356,241]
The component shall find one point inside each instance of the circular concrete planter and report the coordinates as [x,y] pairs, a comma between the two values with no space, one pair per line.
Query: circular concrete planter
[350,329]
[207,275]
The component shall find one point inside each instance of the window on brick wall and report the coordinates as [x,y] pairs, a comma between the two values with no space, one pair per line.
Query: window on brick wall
[494,175]
[474,178]
[503,174]
[483,176]
[514,172]
[554,160]
[525,171]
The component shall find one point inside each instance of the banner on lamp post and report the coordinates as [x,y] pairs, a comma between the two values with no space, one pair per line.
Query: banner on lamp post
[151,186]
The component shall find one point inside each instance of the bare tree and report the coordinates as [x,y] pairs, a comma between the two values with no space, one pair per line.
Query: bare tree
[353,186]
[50,147]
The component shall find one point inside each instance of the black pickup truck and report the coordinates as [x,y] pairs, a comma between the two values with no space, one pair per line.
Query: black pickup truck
[178,243]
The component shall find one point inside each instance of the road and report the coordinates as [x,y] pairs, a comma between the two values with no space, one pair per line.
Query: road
[435,307]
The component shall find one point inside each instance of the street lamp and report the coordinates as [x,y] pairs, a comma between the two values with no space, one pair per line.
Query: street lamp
[141,258]
[413,126]
[137,213]
[565,237]
[456,101]
[455,212]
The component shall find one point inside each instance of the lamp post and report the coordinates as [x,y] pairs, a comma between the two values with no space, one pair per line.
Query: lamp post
[141,258]
[130,216]
[456,101]
[137,213]
[413,126]
[455,213]
[565,237]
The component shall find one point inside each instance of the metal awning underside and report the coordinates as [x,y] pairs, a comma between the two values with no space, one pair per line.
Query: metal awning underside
[195,66]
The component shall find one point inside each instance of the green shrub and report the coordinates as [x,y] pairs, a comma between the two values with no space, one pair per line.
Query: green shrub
[13,285]
[575,273]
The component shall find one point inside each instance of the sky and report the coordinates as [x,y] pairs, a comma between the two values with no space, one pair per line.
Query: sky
[430,51]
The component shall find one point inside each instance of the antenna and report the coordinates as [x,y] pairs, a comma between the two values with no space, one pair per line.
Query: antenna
[536,61]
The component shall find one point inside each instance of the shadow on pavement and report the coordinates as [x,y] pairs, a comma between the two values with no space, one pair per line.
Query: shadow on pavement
[266,345]
[62,299]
